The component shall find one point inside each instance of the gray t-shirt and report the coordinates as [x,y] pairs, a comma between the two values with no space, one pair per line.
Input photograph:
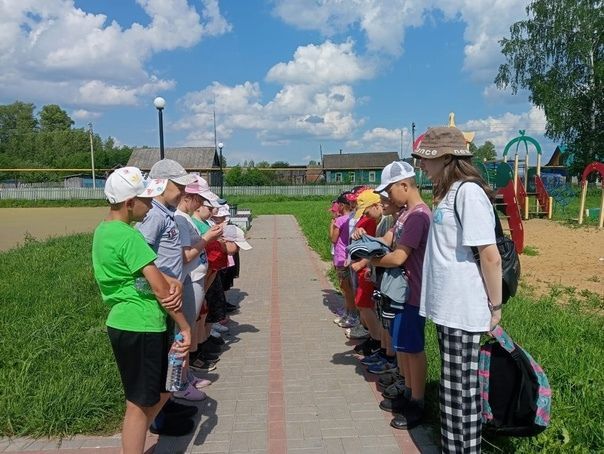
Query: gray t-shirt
[161,233]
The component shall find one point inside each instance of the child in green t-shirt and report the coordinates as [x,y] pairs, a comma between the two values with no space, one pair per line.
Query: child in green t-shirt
[139,296]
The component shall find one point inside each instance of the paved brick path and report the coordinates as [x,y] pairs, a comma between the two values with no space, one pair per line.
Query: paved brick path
[288,381]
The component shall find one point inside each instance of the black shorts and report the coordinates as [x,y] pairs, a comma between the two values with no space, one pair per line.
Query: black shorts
[142,360]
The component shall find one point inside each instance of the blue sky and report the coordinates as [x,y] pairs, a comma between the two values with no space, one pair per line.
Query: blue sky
[285,77]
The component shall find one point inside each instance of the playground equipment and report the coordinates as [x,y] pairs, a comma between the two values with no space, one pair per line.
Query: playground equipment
[533,184]
[593,167]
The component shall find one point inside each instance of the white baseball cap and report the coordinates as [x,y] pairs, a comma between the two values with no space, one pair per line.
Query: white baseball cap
[169,169]
[128,182]
[224,210]
[236,235]
[393,172]
[200,186]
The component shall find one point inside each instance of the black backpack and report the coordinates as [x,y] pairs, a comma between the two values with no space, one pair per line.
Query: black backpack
[515,394]
[510,262]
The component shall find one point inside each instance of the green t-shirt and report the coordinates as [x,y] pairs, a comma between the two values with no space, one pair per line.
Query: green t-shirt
[202,226]
[119,253]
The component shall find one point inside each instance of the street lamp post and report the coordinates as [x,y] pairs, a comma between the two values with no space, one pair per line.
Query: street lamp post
[220,145]
[91,155]
[159,104]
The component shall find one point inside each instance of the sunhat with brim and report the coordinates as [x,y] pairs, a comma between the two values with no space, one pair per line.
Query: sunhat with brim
[127,183]
[171,170]
[366,199]
[442,141]
[236,235]
[393,173]
[201,187]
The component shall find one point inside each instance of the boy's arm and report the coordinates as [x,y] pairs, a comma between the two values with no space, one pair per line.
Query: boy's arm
[394,259]
[360,264]
[388,236]
[166,287]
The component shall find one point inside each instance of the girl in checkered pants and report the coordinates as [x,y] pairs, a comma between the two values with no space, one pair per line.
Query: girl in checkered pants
[462,298]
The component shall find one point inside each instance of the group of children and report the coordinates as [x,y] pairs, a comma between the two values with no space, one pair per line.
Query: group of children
[163,276]
[399,262]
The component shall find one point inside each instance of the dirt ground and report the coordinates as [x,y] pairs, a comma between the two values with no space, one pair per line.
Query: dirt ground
[42,223]
[572,257]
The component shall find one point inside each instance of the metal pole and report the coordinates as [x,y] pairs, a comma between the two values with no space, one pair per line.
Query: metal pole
[413,142]
[92,155]
[161,133]
[221,174]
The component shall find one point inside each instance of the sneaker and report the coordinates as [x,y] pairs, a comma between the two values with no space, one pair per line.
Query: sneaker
[411,416]
[216,334]
[173,427]
[388,379]
[207,356]
[372,359]
[339,319]
[358,332]
[220,328]
[348,322]
[173,408]
[395,390]
[206,366]
[190,393]
[394,405]
[201,383]
[209,347]
[217,340]
[368,347]
[382,367]
[231,307]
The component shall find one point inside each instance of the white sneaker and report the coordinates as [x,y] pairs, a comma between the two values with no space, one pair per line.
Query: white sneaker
[215,333]
[357,332]
[220,328]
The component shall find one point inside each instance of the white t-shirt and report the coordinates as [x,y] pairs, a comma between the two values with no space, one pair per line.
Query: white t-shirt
[189,235]
[453,292]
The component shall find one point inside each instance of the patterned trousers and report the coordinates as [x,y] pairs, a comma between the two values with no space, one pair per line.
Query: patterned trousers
[461,426]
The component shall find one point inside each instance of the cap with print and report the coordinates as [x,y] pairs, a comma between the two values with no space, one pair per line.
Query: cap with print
[201,187]
[394,172]
[128,182]
[442,141]
[366,199]
[236,235]
[223,211]
[169,169]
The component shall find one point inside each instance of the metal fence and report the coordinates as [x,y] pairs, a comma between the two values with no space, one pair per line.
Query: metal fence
[89,193]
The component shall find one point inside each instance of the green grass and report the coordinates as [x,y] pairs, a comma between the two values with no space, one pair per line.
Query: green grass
[531,251]
[57,373]
[58,377]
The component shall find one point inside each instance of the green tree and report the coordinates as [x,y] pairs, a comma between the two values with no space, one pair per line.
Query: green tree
[17,125]
[280,164]
[485,152]
[263,164]
[53,118]
[234,176]
[556,53]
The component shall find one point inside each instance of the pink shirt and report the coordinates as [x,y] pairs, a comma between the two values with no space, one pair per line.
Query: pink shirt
[339,249]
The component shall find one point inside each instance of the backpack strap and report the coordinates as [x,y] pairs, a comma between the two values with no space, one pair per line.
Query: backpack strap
[503,339]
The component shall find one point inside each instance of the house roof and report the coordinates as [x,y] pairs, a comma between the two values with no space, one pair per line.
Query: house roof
[191,158]
[359,160]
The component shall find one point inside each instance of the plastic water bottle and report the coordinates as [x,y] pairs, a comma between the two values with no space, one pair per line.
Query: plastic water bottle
[175,380]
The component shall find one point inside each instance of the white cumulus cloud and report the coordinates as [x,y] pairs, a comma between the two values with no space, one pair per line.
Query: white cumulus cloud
[52,50]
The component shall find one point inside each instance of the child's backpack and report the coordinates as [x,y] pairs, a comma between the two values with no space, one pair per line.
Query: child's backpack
[510,263]
[515,393]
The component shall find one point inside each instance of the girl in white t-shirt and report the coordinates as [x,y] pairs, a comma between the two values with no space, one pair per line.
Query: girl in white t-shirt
[461,298]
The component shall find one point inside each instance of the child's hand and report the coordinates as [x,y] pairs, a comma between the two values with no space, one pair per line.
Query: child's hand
[358,233]
[174,301]
[184,345]
[357,266]
[213,233]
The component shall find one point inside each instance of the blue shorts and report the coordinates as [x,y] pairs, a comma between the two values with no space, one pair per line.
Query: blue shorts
[407,330]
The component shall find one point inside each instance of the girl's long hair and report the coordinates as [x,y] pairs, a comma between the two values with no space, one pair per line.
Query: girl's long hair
[459,169]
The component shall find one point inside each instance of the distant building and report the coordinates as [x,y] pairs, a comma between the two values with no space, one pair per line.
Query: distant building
[356,168]
[293,174]
[201,160]
[83,180]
